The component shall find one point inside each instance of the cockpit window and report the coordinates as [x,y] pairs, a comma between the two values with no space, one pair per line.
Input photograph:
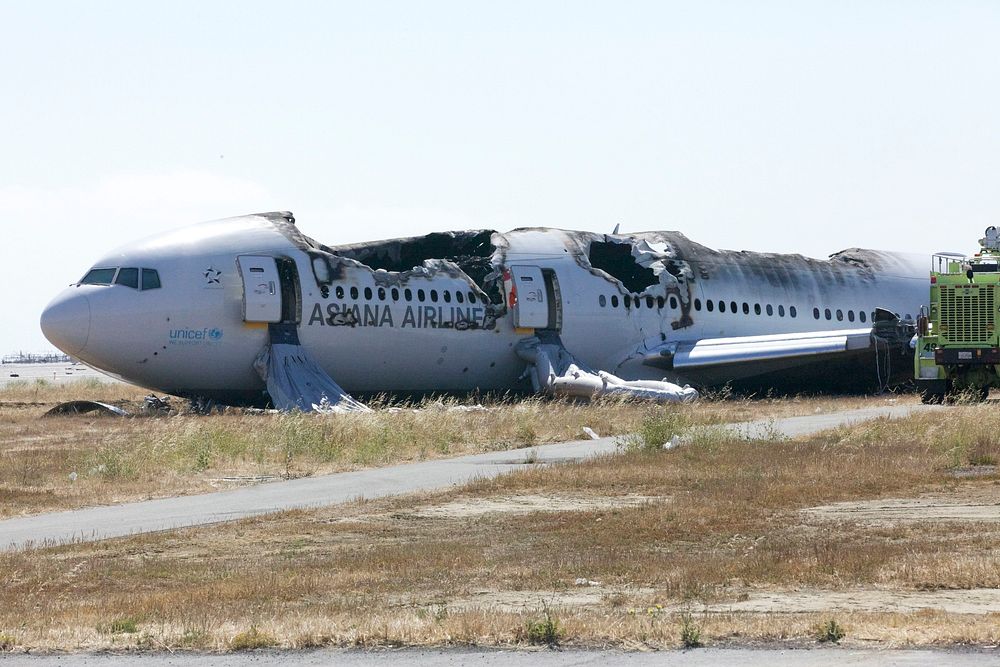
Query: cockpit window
[129,277]
[99,277]
[150,279]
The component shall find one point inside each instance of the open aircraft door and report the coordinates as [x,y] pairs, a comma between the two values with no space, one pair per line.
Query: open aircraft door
[261,288]
[533,297]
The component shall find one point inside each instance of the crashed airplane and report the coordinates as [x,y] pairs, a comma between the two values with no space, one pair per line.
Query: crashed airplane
[248,310]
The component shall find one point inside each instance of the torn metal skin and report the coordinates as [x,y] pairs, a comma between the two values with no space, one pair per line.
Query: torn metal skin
[656,270]
[474,257]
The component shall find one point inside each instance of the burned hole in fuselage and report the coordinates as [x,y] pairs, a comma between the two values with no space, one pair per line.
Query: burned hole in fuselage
[616,260]
[471,251]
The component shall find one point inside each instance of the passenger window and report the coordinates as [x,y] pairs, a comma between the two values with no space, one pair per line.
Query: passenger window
[649,302]
[770,310]
[840,315]
[862,316]
[732,306]
[673,301]
[792,311]
[826,313]
[128,278]
[756,309]
[354,292]
[150,279]
[660,302]
[710,305]
[614,301]
[340,292]
[381,294]
[368,294]
[434,295]
[850,316]
[421,295]
[395,294]
[472,297]
[746,308]
[722,306]
[781,310]
[636,302]
[816,313]
[408,294]
[447,296]
[697,304]
[99,277]
[603,300]
[459,297]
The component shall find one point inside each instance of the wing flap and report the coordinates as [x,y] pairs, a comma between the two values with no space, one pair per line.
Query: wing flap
[745,349]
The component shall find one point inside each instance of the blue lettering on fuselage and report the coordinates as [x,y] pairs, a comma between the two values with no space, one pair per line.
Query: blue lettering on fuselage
[385,315]
[189,336]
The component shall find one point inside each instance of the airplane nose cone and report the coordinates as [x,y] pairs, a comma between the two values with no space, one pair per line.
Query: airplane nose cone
[66,322]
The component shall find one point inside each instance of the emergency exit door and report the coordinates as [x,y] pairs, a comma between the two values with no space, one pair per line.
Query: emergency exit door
[537,303]
[261,288]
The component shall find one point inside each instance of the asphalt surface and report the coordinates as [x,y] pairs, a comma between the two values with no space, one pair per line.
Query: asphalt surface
[97,523]
[704,657]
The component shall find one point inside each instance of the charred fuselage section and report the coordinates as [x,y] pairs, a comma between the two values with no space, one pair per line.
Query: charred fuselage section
[646,289]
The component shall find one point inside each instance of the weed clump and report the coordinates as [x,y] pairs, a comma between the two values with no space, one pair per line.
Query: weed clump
[544,631]
[831,631]
[251,639]
[125,625]
[690,632]
[7,643]
[657,428]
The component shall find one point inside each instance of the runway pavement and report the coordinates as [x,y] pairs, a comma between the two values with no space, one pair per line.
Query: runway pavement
[57,373]
[155,515]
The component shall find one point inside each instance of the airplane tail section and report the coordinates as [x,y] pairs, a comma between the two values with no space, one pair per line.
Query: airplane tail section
[295,381]
[556,372]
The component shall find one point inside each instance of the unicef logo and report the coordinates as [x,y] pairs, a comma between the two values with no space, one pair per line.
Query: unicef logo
[215,334]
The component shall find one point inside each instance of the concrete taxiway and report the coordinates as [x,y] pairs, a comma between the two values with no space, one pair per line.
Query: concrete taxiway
[156,515]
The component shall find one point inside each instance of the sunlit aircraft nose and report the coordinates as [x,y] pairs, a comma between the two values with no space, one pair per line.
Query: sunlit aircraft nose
[66,322]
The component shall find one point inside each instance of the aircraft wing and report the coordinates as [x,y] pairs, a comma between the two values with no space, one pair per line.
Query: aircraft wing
[698,354]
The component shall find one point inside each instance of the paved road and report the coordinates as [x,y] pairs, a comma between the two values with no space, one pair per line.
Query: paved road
[705,657]
[154,515]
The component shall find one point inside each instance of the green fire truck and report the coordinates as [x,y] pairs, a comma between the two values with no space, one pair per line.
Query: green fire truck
[957,347]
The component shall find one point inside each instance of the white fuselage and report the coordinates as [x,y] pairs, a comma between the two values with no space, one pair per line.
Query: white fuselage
[436,329]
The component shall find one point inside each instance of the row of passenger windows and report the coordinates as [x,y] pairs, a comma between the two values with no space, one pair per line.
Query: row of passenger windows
[730,306]
[125,276]
[839,315]
[734,307]
[407,294]
[637,302]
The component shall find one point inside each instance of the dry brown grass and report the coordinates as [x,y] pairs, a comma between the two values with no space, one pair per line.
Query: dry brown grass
[112,460]
[723,523]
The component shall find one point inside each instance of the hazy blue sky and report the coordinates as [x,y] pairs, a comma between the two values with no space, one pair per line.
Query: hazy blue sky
[786,126]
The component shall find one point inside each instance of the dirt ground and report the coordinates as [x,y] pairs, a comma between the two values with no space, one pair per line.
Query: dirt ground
[883,532]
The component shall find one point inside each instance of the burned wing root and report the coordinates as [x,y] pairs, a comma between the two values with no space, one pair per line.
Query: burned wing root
[556,372]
